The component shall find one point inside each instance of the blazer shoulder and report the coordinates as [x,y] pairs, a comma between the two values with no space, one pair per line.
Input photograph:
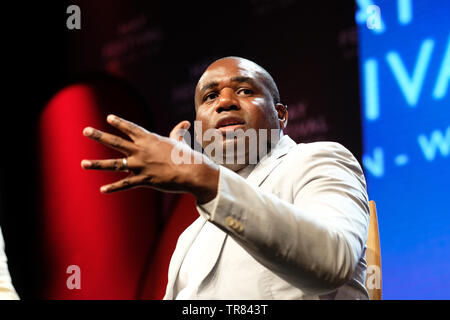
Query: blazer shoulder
[325,155]
[322,149]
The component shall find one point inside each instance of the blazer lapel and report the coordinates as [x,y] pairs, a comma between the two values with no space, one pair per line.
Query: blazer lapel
[270,161]
[212,251]
[210,259]
[179,254]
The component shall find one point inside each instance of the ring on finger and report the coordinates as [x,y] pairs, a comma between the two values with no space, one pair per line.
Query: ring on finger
[125,164]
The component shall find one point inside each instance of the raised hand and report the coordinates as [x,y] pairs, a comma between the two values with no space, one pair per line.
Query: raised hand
[149,161]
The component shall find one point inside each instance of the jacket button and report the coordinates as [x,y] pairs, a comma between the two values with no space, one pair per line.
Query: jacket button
[234,224]
[230,221]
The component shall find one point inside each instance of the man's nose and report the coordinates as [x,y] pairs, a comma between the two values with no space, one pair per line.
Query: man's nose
[227,101]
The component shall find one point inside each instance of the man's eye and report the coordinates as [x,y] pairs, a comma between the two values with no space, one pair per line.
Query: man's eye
[210,96]
[245,92]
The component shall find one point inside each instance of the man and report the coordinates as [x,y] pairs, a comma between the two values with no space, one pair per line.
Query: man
[291,225]
[7,291]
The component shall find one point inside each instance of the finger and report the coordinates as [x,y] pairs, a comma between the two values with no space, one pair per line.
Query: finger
[110,140]
[179,130]
[124,184]
[109,164]
[129,128]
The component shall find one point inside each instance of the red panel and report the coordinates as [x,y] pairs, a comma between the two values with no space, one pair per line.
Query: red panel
[107,236]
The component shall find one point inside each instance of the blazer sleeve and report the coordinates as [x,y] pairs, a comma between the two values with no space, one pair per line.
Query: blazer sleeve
[7,291]
[313,243]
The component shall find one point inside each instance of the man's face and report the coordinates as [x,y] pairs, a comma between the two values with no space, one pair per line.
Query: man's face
[232,95]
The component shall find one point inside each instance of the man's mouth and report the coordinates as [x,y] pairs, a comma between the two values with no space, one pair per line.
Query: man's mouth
[229,123]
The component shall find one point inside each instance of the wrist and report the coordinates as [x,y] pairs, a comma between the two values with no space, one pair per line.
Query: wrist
[204,181]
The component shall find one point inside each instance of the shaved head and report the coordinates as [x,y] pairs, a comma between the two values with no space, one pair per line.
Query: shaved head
[264,75]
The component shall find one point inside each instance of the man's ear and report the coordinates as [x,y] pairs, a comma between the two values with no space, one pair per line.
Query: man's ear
[282,114]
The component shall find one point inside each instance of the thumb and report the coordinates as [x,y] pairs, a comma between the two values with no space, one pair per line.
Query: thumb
[178,131]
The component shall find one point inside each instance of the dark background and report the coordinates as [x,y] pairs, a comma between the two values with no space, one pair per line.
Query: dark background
[160,49]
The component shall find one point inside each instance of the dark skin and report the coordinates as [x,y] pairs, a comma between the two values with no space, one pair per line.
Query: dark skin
[229,87]
[236,88]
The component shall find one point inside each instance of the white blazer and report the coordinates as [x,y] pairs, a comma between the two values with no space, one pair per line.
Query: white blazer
[7,291]
[295,228]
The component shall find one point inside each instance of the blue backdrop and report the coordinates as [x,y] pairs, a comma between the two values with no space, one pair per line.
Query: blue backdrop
[404,58]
